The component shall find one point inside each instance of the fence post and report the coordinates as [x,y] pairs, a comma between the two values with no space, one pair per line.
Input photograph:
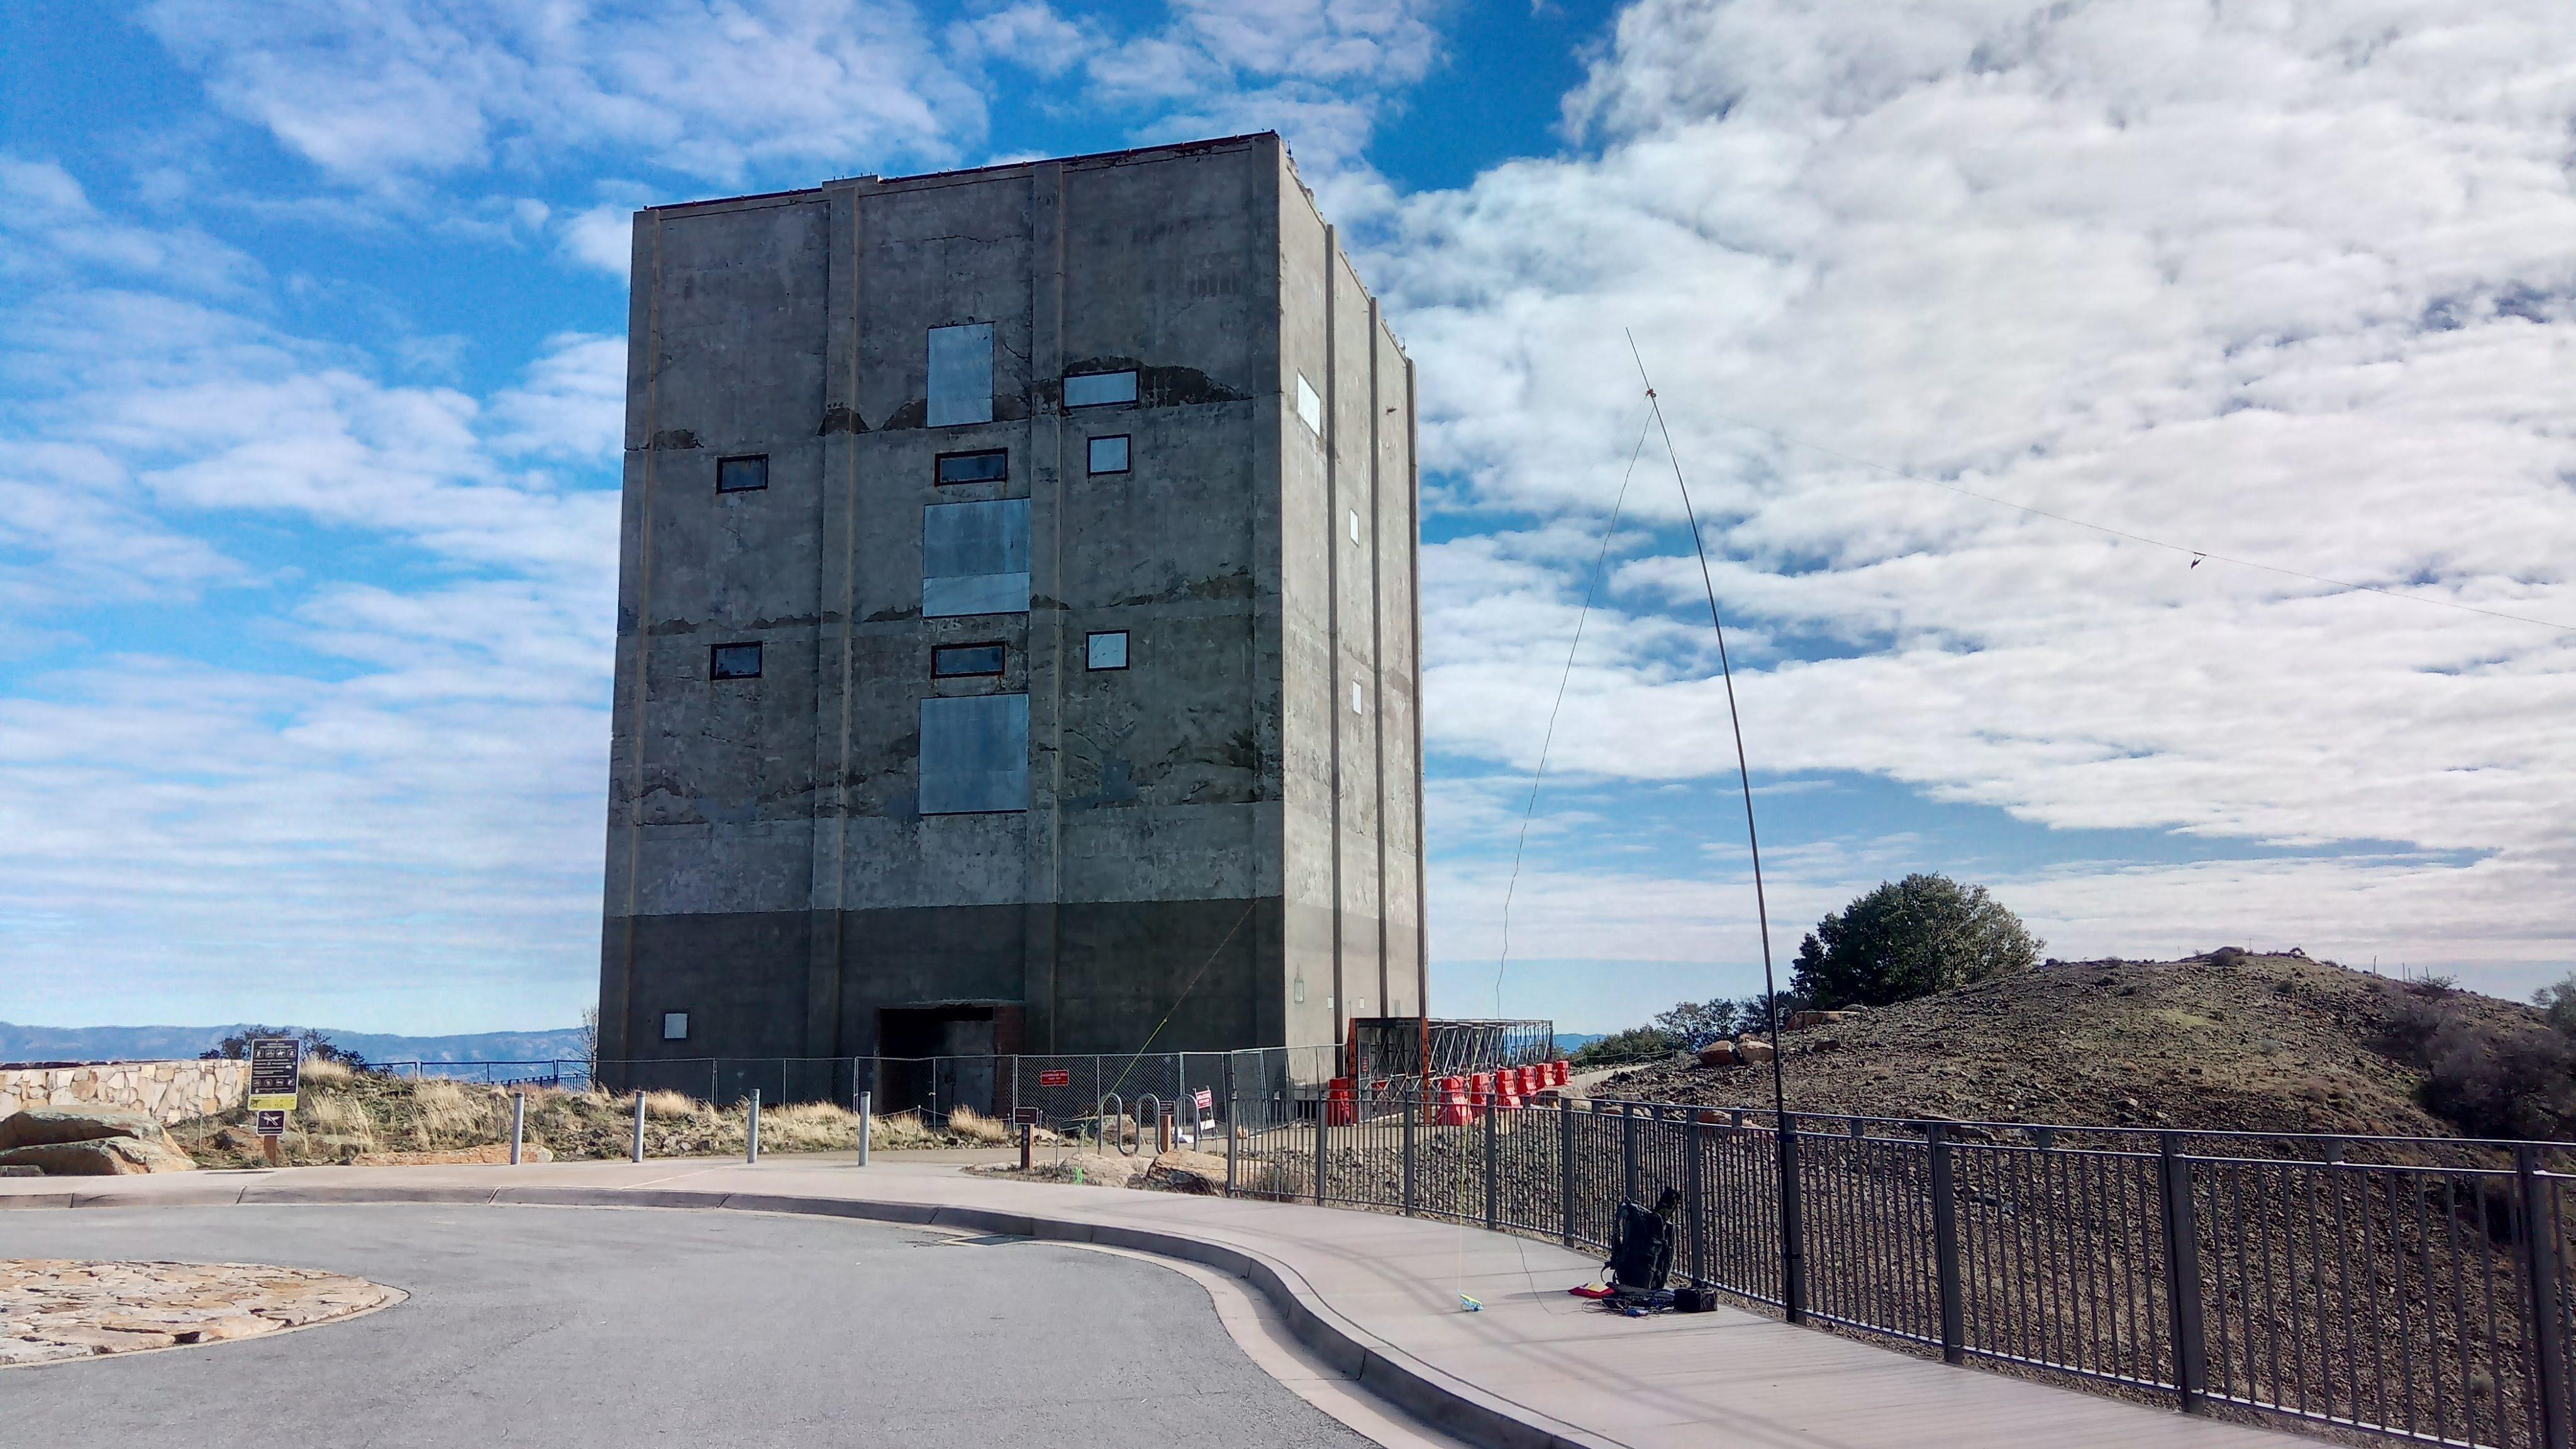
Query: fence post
[1229,1124]
[518,1124]
[2182,1275]
[1793,1231]
[1493,1209]
[2540,1265]
[1412,1109]
[1693,1144]
[1323,1127]
[1945,1245]
[867,1109]
[1565,1165]
[1628,1188]
[751,1129]
[639,1124]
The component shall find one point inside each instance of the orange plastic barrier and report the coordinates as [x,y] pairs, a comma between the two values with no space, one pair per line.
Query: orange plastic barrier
[1455,1110]
[1341,1106]
[1563,1072]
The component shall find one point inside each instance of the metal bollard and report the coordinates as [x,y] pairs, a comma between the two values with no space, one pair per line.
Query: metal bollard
[751,1133]
[867,1102]
[518,1124]
[639,1125]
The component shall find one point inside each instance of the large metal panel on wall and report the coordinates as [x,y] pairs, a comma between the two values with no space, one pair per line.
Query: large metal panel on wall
[975,558]
[974,754]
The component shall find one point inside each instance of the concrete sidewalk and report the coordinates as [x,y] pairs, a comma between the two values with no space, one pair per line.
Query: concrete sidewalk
[1376,1295]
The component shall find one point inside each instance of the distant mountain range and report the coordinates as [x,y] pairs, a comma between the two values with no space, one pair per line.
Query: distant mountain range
[167,1043]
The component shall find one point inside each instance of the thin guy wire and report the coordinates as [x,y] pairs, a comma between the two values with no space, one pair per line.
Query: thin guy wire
[1549,738]
[2196,554]
[1743,772]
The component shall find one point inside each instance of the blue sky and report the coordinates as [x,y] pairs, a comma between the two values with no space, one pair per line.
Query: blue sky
[313,347]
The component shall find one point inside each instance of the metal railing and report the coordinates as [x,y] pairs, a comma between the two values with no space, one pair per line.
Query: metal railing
[2414,1288]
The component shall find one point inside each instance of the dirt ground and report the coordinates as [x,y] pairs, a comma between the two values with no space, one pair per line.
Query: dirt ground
[2226,1042]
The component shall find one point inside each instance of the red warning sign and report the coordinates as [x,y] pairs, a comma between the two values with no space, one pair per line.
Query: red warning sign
[1061,1077]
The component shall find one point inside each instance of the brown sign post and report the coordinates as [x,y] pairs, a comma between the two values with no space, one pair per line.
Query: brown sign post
[276,1071]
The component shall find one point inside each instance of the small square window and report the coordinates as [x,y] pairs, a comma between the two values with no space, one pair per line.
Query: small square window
[1355,525]
[1107,650]
[734,661]
[1109,455]
[990,465]
[675,1026]
[742,475]
[1355,698]
[1099,389]
[965,661]
[1310,408]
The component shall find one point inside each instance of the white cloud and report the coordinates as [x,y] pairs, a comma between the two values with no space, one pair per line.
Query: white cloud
[573,403]
[2287,285]
[602,237]
[418,87]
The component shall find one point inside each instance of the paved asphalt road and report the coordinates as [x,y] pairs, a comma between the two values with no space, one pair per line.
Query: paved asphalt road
[570,1328]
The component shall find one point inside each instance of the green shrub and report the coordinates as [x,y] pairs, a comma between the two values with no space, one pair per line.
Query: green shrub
[1627,1048]
[1925,933]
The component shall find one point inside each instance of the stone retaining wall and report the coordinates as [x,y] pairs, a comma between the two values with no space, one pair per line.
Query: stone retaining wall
[170,1091]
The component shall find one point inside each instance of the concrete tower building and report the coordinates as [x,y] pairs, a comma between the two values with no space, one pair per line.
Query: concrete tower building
[1016,620]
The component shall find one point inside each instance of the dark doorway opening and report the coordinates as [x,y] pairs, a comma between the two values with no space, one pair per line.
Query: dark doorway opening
[936,1058]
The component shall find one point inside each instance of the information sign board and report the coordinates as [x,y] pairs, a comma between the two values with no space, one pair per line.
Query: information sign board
[1056,1077]
[1028,1115]
[1204,1099]
[274,1073]
[270,1124]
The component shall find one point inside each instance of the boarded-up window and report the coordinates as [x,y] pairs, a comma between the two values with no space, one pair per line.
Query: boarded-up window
[961,374]
[1108,455]
[965,661]
[1099,389]
[1310,408]
[1106,650]
[975,558]
[974,754]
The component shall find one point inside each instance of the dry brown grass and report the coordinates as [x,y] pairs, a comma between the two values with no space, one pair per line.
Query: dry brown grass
[974,1126]
[670,1106]
[318,1070]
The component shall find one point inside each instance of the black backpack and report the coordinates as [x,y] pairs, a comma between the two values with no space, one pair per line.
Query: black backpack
[1641,1249]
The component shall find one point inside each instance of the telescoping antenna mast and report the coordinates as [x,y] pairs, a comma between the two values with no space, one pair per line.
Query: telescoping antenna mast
[1794,1268]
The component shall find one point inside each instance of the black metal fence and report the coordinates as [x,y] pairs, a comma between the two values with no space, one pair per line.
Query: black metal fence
[2409,1287]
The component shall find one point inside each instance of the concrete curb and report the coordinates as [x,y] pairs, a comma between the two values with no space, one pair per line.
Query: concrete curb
[1439,1399]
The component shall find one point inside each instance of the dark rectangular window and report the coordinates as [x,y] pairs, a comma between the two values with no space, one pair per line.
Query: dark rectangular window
[1108,455]
[991,465]
[741,475]
[1099,389]
[734,661]
[964,661]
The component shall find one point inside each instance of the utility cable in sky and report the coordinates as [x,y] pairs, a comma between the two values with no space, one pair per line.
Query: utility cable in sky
[1549,738]
[2197,555]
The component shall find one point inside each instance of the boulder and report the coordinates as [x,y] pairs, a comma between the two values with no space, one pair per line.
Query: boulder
[1753,1049]
[1719,1054]
[1180,1170]
[39,1126]
[99,1157]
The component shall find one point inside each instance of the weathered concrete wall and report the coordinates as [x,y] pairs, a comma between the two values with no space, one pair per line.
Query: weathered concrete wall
[170,1091]
[1214,812]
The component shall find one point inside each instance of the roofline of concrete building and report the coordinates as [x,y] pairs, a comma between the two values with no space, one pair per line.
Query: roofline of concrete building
[1170,148]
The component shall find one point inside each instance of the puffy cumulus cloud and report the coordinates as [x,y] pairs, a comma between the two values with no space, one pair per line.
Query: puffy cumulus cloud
[381,782]
[384,96]
[1318,71]
[2287,284]
[712,90]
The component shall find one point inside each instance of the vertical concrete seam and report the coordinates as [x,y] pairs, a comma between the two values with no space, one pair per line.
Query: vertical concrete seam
[849,621]
[1333,600]
[1377,655]
[1055,711]
[643,635]
[1413,582]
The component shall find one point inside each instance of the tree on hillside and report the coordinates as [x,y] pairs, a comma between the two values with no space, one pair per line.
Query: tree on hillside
[1923,934]
[2557,1001]
[317,1047]
[1627,1048]
[1694,1024]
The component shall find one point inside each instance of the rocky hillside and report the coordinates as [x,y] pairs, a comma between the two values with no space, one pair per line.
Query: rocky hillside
[2226,1041]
